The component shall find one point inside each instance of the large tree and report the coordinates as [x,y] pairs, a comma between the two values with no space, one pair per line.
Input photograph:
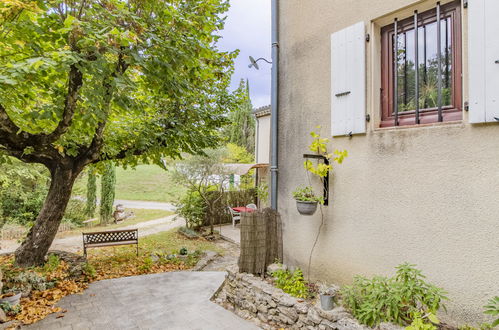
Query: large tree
[85,81]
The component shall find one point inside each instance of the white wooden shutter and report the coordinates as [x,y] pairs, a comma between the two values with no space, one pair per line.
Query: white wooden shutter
[348,81]
[483,52]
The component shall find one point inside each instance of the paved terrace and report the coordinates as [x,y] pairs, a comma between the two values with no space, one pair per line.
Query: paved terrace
[176,300]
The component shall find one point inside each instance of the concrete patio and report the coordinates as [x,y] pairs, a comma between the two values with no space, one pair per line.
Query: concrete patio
[232,233]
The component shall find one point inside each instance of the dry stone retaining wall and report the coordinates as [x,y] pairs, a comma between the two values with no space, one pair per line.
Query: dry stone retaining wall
[252,298]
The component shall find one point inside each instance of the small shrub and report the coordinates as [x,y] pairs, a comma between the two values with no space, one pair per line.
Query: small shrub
[492,308]
[192,208]
[89,270]
[421,322]
[147,265]
[396,299]
[75,213]
[9,309]
[291,282]
[52,263]
[183,251]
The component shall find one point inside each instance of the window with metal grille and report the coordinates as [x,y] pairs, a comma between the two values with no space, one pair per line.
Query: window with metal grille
[421,68]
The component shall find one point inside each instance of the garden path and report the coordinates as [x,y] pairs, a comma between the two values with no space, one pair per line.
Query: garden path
[145,205]
[74,243]
[176,300]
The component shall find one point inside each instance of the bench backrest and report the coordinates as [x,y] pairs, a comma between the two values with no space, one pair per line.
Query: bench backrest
[111,236]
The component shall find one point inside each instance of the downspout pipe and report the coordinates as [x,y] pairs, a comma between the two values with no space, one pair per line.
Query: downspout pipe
[274,112]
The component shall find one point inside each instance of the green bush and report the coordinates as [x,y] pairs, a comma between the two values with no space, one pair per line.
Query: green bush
[22,191]
[192,208]
[291,282]
[397,299]
[75,213]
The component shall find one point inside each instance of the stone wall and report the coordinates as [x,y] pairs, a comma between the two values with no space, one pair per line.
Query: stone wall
[253,298]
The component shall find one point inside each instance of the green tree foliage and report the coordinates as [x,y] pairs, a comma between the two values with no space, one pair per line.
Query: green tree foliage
[242,123]
[22,191]
[108,183]
[91,193]
[87,81]
[237,154]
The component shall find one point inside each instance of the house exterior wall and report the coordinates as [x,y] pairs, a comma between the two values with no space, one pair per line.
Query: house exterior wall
[427,195]
[263,140]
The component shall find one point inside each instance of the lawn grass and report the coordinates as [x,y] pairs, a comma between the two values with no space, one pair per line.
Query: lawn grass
[119,261]
[144,183]
[141,215]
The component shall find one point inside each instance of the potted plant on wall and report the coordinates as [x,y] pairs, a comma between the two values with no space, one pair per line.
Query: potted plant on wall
[327,295]
[306,200]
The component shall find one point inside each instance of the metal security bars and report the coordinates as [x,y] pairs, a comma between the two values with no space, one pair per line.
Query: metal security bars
[403,33]
[395,72]
[416,64]
[439,64]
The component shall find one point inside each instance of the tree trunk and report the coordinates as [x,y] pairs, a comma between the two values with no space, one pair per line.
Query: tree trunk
[39,239]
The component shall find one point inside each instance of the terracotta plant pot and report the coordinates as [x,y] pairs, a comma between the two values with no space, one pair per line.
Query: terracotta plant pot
[306,208]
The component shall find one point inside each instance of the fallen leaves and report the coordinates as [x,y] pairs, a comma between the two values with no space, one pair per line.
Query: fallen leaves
[41,303]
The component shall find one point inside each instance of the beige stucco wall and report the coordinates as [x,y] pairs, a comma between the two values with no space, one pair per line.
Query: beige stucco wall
[263,140]
[425,195]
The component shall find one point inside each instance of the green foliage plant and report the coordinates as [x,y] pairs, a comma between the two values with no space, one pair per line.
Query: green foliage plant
[306,194]
[492,308]
[88,270]
[291,282]
[319,147]
[396,299]
[108,184]
[420,322]
[52,263]
[192,208]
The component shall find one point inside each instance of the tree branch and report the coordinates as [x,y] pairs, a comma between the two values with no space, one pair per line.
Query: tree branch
[74,85]
[92,153]
[11,135]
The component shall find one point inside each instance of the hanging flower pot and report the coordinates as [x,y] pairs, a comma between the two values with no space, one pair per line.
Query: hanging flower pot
[306,208]
[306,201]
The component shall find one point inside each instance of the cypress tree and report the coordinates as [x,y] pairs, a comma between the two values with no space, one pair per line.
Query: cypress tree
[108,183]
[91,193]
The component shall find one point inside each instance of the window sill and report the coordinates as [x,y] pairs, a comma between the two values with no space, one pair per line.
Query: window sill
[403,127]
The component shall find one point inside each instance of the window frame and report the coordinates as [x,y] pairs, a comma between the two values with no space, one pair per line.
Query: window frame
[450,10]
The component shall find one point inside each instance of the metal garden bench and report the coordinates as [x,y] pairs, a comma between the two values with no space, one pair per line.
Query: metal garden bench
[110,238]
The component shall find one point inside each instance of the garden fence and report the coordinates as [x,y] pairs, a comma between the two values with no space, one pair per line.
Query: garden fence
[220,214]
[261,241]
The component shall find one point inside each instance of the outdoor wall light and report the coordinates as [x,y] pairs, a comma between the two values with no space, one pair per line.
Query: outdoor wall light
[254,62]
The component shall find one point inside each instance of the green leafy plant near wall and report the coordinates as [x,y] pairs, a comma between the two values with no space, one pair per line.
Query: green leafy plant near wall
[492,308]
[306,194]
[291,282]
[403,299]
[319,147]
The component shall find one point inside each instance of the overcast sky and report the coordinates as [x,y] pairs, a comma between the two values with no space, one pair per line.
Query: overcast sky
[247,28]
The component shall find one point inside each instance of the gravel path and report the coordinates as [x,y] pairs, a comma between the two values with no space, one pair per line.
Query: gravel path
[74,243]
[145,205]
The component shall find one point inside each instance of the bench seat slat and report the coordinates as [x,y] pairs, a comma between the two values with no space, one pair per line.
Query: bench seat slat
[89,245]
